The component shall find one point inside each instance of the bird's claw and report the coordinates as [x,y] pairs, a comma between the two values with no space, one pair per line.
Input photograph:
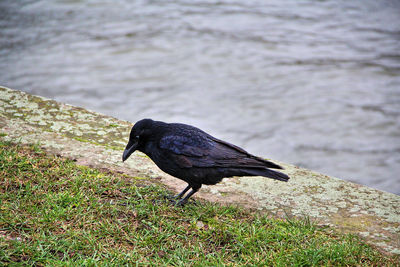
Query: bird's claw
[169,197]
[180,203]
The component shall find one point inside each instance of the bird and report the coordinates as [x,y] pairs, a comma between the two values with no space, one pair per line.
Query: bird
[194,156]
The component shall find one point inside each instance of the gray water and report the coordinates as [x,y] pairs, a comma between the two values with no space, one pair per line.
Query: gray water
[313,83]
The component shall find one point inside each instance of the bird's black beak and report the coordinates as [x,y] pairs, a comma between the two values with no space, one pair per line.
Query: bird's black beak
[129,149]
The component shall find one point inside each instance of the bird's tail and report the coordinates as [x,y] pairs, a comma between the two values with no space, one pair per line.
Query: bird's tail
[267,173]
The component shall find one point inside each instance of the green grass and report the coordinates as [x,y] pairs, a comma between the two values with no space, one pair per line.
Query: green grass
[54,212]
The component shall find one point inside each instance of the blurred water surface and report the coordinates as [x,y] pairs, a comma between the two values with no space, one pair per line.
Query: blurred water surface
[313,83]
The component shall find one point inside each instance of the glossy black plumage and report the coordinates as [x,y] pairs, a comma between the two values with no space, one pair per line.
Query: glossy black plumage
[194,156]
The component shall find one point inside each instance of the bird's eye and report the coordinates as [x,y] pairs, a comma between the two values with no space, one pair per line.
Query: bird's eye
[137,136]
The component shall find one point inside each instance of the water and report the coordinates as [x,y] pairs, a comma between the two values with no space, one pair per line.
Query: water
[313,83]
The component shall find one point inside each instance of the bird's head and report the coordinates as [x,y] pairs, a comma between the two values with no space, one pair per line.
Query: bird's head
[139,133]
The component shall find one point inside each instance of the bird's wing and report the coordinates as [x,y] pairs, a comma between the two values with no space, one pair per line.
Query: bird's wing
[244,157]
[186,144]
[202,150]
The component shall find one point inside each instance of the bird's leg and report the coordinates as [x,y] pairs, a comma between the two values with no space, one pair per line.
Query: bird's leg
[195,188]
[180,195]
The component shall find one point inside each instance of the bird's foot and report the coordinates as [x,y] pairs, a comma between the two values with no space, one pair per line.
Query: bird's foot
[172,198]
[181,203]
[169,197]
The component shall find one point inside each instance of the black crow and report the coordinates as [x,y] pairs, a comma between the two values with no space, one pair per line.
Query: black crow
[194,156]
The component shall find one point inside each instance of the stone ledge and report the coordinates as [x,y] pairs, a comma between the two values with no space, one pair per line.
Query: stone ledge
[97,140]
